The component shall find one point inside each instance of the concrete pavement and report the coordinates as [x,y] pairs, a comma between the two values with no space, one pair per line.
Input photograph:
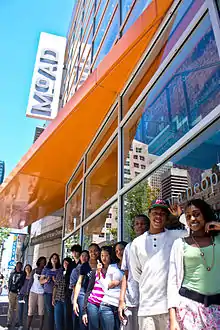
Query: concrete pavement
[4,311]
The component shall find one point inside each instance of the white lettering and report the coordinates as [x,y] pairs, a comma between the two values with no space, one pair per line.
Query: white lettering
[189,193]
[209,182]
[49,56]
[44,85]
[180,198]
[204,187]
[213,183]
[196,188]
[44,102]
[48,71]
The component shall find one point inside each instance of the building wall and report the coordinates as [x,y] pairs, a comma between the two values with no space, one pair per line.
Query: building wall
[168,120]
[48,247]
[174,182]
[96,26]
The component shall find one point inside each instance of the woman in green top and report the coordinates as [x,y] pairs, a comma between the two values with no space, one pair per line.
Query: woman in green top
[193,284]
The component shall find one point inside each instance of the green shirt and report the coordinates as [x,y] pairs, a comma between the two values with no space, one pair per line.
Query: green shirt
[196,276]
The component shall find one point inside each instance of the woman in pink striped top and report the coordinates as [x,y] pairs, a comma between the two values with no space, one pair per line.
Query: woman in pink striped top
[95,293]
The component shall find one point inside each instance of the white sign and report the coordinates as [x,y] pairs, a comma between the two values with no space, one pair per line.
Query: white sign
[47,77]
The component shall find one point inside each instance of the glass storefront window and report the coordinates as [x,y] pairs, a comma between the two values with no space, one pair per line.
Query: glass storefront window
[125,7]
[89,11]
[75,180]
[139,7]
[174,29]
[218,4]
[85,59]
[73,211]
[104,24]
[185,176]
[185,14]
[102,229]
[103,137]
[101,5]
[137,201]
[69,242]
[184,94]
[109,39]
[101,183]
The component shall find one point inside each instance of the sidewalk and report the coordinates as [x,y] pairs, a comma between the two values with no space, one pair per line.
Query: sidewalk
[4,311]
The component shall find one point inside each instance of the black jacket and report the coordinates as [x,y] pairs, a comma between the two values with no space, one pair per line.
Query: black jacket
[16,281]
[89,290]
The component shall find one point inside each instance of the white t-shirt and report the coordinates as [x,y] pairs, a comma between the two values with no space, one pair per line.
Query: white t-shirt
[111,296]
[149,262]
[36,286]
[132,292]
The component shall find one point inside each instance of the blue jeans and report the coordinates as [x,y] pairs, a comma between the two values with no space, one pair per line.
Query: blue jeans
[49,310]
[59,315]
[109,317]
[22,308]
[77,321]
[93,316]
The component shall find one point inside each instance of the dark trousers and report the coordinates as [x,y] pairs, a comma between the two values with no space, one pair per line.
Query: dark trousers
[49,310]
[22,308]
[109,317]
[68,313]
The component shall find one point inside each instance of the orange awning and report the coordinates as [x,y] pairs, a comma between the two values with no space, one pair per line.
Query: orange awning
[36,187]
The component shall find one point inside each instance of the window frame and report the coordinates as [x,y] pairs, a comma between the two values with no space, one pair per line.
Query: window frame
[206,9]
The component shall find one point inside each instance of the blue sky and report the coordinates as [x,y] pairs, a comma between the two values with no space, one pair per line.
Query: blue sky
[21,22]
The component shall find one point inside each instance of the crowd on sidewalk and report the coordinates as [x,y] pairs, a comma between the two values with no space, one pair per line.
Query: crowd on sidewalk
[164,279]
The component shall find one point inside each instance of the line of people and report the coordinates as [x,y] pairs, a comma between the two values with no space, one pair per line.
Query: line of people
[164,279]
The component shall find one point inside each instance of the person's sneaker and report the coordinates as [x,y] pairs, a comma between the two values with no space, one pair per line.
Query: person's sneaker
[20,328]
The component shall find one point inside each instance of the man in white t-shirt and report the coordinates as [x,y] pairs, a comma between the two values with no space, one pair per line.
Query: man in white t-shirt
[149,260]
[129,297]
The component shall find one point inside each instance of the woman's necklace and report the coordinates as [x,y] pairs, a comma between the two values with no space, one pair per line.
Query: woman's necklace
[203,255]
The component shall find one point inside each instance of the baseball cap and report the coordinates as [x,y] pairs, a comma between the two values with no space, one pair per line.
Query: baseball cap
[159,203]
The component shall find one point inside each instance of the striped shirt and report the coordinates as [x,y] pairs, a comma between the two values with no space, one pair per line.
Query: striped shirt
[97,293]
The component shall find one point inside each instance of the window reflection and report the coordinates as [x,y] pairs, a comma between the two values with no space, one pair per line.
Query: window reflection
[104,24]
[137,10]
[125,7]
[103,137]
[186,176]
[73,211]
[69,242]
[101,5]
[218,4]
[186,92]
[80,59]
[101,183]
[109,39]
[184,14]
[137,201]
[75,180]
[102,229]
